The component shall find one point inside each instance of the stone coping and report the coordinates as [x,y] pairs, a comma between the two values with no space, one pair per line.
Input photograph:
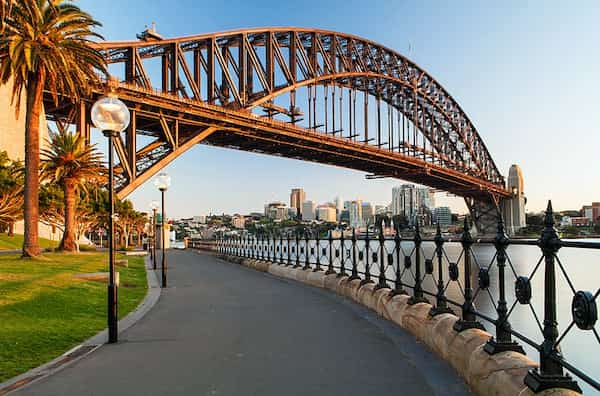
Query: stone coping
[501,374]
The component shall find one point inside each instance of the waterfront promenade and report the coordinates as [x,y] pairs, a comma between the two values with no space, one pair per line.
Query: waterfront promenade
[222,329]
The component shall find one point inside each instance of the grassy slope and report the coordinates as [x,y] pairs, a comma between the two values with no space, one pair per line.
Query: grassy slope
[45,311]
[15,242]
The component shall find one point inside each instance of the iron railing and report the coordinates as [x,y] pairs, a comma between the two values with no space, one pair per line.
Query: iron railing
[430,267]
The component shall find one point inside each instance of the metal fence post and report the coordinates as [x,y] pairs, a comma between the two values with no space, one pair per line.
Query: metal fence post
[418,290]
[280,248]
[317,247]
[441,304]
[468,319]
[550,374]
[289,252]
[297,250]
[367,264]
[343,256]
[330,269]
[306,250]
[398,287]
[503,341]
[382,282]
[354,263]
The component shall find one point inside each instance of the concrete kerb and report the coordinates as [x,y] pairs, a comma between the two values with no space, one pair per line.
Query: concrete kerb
[91,344]
[499,375]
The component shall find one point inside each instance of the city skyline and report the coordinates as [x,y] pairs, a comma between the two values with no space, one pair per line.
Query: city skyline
[484,56]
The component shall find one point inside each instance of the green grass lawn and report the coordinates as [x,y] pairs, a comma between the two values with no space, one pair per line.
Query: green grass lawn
[45,311]
[15,242]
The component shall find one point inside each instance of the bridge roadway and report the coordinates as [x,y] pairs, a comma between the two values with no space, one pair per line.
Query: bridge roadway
[222,329]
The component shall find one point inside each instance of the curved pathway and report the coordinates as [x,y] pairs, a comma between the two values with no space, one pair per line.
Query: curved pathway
[222,329]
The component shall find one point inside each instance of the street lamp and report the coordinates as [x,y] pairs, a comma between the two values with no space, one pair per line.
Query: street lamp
[111,116]
[154,207]
[162,182]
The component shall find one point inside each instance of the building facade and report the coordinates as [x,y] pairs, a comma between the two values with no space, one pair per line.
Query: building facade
[442,216]
[297,197]
[308,211]
[592,212]
[368,213]
[276,211]
[356,217]
[327,213]
[411,202]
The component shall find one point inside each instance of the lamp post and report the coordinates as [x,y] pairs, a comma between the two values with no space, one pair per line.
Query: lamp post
[111,116]
[162,182]
[154,207]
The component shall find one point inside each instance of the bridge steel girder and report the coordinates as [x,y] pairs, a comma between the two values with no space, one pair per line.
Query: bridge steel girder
[234,74]
[321,56]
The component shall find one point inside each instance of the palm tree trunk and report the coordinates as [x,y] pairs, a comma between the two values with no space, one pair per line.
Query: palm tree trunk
[35,89]
[68,242]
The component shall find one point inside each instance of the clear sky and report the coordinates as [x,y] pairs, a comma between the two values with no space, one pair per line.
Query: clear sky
[526,73]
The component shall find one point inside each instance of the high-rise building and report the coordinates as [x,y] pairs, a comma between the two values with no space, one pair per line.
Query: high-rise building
[297,197]
[356,218]
[326,213]
[425,198]
[308,211]
[404,201]
[442,216]
[412,202]
[339,206]
[368,213]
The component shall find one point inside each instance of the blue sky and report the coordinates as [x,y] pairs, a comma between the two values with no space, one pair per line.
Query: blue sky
[526,73]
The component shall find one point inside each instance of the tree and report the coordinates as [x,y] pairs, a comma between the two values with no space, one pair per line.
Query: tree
[44,46]
[11,192]
[70,162]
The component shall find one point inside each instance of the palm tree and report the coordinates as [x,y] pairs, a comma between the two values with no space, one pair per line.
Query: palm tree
[44,46]
[70,162]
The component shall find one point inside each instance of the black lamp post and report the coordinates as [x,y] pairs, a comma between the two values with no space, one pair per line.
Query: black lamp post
[111,116]
[154,207]
[162,182]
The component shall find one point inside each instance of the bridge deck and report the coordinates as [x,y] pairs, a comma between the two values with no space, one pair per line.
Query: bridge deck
[221,329]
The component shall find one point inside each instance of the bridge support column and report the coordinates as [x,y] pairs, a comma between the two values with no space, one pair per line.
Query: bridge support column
[485,216]
[485,212]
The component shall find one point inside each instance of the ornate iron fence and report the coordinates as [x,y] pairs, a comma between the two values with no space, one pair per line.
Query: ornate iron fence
[429,267]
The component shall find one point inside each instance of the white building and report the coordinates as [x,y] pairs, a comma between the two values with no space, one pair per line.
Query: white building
[404,201]
[199,219]
[308,211]
[356,217]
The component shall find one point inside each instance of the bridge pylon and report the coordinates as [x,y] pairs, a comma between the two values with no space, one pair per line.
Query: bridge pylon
[485,212]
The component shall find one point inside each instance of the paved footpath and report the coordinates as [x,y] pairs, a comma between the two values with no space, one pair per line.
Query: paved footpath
[223,329]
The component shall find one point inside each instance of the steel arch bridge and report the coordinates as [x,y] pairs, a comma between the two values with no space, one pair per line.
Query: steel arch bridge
[309,94]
